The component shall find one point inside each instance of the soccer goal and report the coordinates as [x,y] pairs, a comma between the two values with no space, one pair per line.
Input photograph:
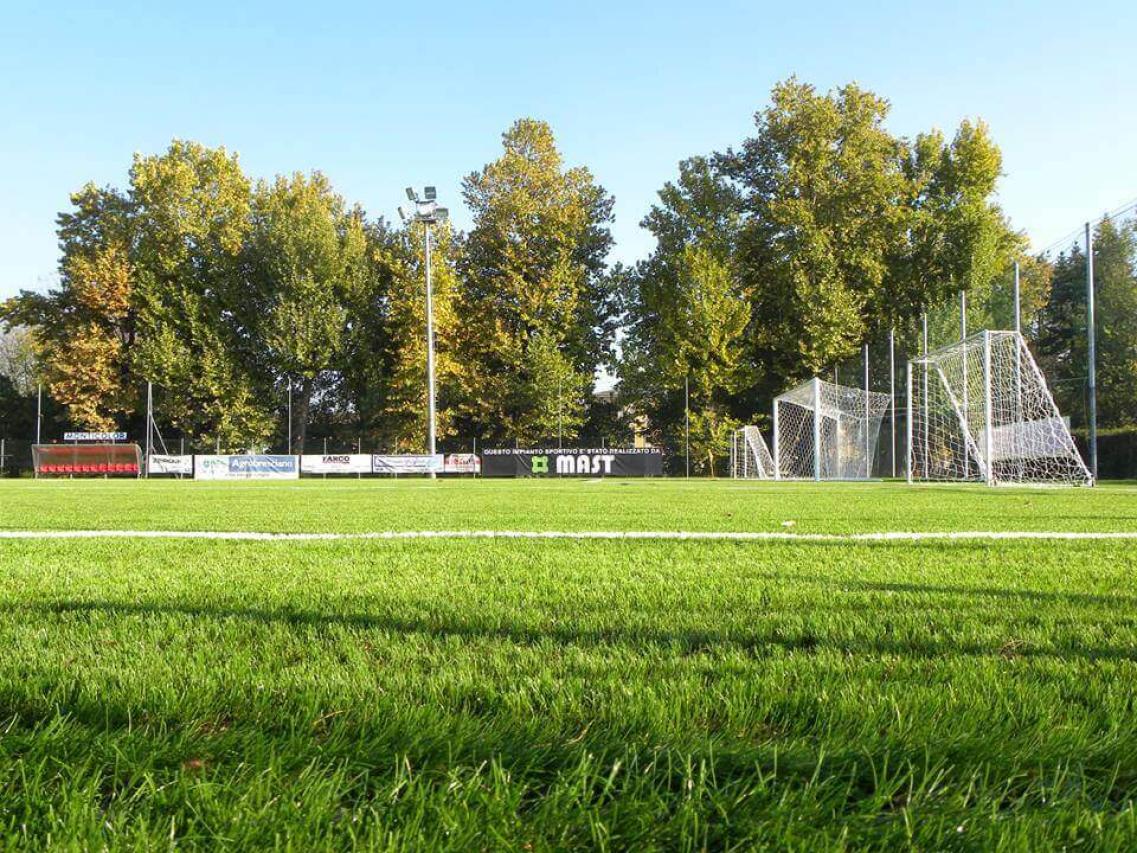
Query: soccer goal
[750,459]
[824,431]
[980,410]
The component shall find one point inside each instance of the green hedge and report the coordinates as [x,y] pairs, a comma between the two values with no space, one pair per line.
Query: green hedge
[1117,452]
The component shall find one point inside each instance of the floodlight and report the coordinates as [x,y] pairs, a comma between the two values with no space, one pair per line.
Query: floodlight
[430,193]
[441,214]
[411,194]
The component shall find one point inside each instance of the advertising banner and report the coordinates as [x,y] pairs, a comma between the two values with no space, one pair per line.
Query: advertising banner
[169,464]
[406,463]
[246,467]
[462,463]
[573,462]
[336,463]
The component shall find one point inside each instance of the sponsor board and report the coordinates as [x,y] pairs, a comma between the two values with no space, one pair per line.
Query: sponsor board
[246,467]
[462,463]
[158,464]
[406,463]
[336,463]
[573,462]
[94,436]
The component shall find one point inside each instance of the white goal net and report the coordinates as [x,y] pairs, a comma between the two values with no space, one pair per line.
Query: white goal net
[824,431]
[980,410]
[750,459]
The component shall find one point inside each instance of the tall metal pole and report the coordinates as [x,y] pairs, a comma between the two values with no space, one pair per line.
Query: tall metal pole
[687,423]
[429,343]
[924,387]
[1018,303]
[39,412]
[816,429]
[1091,353]
[1018,347]
[559,392]
[966,402]
[777,446]
[865,422]
[149,423]
[988,420]
[289,415]
[908,427]
[892,393]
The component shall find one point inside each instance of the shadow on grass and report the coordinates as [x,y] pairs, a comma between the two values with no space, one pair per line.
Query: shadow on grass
[1079,599]
[757,643]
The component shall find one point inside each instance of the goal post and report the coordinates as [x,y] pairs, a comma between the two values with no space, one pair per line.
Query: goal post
[825,431]
[980,411]
[750,458]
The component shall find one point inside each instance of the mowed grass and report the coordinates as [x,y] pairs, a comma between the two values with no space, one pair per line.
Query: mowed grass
[560,694]
[350,505]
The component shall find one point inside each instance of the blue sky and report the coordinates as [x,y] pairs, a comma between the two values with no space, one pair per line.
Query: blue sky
[379,96]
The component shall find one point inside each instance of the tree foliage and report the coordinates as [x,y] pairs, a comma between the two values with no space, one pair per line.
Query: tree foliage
[533,275]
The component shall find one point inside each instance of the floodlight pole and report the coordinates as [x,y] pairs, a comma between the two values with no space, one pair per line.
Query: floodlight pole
[1091,354]
[39,412]
[816,429]
[289,415]
[427,212]
[429,343]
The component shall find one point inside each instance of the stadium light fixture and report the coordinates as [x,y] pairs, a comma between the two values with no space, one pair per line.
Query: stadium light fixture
[427,211]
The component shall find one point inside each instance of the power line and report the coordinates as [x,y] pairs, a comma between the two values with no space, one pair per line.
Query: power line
[1073,236]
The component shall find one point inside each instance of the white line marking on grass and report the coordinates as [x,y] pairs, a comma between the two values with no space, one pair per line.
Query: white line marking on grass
[668,535]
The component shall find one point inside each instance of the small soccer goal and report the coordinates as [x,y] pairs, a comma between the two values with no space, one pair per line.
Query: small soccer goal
[824,431]
[980,410]
[750,459]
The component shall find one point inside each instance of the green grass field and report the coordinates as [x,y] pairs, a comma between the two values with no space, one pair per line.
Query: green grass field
[521,694]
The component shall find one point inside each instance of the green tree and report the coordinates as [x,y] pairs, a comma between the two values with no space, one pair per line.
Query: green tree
[1062,338]
[193,212]
[822,185]
[957,237]
[306,252]
[699,314]
[86,329]
[532,270]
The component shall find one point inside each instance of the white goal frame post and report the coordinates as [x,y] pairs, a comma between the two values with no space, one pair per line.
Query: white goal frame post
[825,431]
[979,410]
[750,458]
